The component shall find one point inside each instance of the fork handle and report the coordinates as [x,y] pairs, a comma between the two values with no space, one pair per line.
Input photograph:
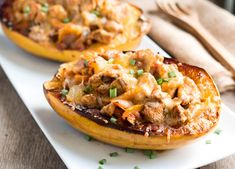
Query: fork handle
[217,50]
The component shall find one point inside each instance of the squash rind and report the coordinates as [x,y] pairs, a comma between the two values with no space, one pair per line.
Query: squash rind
[52,53]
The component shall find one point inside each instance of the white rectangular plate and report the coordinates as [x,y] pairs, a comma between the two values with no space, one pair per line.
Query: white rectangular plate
[27,74]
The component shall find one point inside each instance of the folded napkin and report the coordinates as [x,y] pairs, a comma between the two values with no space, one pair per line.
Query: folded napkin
[185,47]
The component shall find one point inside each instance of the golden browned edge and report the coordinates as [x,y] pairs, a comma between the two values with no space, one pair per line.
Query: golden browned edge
[50,51]
[124,138]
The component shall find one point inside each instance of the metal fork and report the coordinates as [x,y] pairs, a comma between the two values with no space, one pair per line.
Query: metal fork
[188,19]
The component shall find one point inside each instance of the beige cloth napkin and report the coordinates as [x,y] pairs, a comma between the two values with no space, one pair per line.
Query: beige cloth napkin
[186,47]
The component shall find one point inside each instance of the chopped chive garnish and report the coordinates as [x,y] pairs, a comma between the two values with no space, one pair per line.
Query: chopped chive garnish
[113,120]
[85,63]
[114,154]
[147,152]
[160,81]
[111,60]
[96,12]
[44,9]
[150,154]
[208,141]
[64,92]
[129,150]
[87,89]
[45,4]
[153,155]
[100,167]
[88,138]
[103,161]
[140,72]
[132,62]
[66,20]
[171,74]
[113,93]
[132,72]
[166,80]
[26,9]
[136,167]
[218,131]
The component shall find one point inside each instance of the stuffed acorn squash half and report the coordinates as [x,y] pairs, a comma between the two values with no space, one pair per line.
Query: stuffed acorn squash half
[63,30]
[135,99]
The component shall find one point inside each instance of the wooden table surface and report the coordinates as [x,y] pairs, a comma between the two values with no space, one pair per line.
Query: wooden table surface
[23,145]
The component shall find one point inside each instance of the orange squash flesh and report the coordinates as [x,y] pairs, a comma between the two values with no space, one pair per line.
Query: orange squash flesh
[52,53]
[130,139]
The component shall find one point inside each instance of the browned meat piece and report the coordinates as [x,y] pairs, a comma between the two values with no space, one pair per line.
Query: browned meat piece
[120,84]
[144,59]
[73,37]
[106,77]
[91,20]
[189,92]
[78,66]
[38,34]
[34,10]
[58,12]
[131,118]
[40,17]
[177,117]
[132,114]
[108,110]
[113,26]
[153,112]
[103,100]
[89,100]
[110,83]
[78,45]
[102,36]
[111,78]
[103,89]
[70,38]
[121,12]
[75,93]
[61,2]
[110,54]
[87,5]
[72,6]
[18,17]
[67,41]
[95,81]
[146,85]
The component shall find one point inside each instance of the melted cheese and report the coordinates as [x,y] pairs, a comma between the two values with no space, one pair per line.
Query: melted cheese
[78,24]
[177,96]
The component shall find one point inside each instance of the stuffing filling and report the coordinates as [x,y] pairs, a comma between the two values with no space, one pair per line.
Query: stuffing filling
[137,89]
[75,24]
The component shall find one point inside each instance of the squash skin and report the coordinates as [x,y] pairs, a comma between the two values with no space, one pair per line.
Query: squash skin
[52,53]
[134,140]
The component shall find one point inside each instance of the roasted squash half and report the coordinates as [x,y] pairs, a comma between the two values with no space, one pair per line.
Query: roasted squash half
[135,99]
[65,30]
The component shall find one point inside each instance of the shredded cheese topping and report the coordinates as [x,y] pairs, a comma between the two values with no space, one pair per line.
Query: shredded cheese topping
[137,88]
